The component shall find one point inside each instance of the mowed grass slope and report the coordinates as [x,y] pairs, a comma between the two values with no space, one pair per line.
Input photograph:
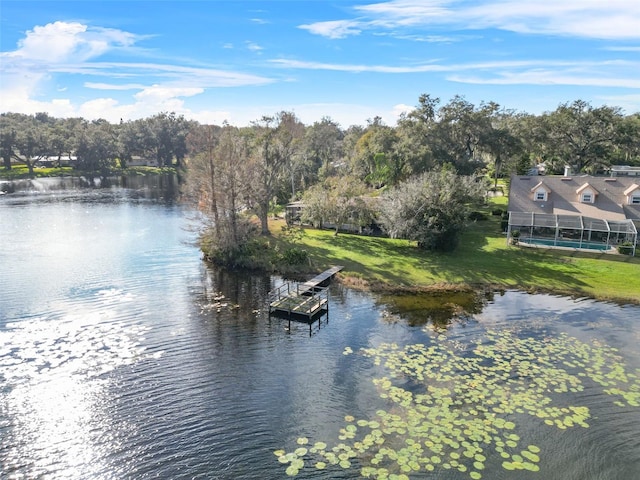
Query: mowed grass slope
[482,258]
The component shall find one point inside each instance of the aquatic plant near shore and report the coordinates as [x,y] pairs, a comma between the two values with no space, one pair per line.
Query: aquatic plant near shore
[458,404]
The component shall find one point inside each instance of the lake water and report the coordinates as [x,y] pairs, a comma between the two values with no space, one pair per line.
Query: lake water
[122,355]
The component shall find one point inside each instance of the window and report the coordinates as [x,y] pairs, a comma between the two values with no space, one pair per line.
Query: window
[587,198]
[635,199]
[540,195]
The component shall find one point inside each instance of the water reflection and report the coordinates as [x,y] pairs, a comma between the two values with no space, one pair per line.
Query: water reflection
[51,428]
[439,309]
[164,187]
[53,376]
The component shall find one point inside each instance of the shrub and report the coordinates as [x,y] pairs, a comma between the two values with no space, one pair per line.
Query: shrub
[477,216]
[497,211]
[625,248]
[295,256]
[430,208]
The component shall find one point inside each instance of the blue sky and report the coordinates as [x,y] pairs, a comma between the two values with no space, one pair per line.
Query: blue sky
[349,60]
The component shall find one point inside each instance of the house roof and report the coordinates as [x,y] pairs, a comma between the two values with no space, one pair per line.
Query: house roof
[564,199]
[586,186]
[539,186]
[632,188]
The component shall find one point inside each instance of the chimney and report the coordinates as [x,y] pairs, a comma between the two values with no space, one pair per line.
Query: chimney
[567,170]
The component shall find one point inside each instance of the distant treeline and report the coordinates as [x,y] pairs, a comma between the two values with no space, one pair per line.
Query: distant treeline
[428,164]
[471,138]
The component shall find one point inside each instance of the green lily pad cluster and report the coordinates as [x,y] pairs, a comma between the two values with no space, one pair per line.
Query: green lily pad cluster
[451,405]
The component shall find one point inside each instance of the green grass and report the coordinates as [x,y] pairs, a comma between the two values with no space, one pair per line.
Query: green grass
[483,258]
[21,171]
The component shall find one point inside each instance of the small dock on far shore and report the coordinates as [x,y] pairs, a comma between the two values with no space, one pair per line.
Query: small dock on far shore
[303,301]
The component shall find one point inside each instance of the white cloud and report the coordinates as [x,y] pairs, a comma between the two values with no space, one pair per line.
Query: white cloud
[70,48]
[547,77]
[159,93]
[434,38]
[306,65]
[254,47]
[613,19]
[401,108]
[512,72]
[623,49]
[63,41]
[335,29]
[108,86]
[629,103]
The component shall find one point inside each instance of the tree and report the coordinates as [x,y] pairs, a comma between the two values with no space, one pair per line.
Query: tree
[216,184]
[628,150]
[455,133]
[322,148]
[430,209]
[202,182]
[97,149]
[32,140]
[582,136]
[338,201]
[129,141]
[375,160]
[8,136]
[316,201]
[500,143]
[165,137]
[275,140]
[413,145]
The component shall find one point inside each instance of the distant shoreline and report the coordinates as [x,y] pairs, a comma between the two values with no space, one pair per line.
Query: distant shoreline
[20,172]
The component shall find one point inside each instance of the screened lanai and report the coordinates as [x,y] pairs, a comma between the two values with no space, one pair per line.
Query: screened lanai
[573,231]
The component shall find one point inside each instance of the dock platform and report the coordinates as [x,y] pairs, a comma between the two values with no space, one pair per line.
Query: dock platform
[304,301]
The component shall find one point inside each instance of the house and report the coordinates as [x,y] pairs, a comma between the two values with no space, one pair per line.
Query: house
[624,171]
[579,211]
[55,161]
[138,161]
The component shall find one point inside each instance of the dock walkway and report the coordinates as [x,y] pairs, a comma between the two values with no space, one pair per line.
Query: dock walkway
[321,278]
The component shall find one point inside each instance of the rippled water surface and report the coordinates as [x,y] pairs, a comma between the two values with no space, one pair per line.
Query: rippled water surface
[123,356]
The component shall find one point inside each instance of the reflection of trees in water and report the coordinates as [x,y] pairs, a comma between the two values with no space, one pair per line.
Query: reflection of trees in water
[243,292]
[341,294]
[231,308]
[436,308]
[163,186]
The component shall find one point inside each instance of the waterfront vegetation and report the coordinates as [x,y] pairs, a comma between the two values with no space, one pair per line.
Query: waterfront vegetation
[482,259]
[21,171]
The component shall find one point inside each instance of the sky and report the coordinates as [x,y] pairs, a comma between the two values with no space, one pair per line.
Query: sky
[349,60]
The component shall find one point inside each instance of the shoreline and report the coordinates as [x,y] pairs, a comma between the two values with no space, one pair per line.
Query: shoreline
[483,262]
[356,283]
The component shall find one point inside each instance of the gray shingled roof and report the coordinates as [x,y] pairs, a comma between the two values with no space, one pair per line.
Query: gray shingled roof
[563,199]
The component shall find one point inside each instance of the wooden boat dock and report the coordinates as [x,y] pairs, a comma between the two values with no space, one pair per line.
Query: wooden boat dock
[307,300]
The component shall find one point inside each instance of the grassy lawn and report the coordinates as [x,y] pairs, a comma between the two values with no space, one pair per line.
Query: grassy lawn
[482,258]
[21,171]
